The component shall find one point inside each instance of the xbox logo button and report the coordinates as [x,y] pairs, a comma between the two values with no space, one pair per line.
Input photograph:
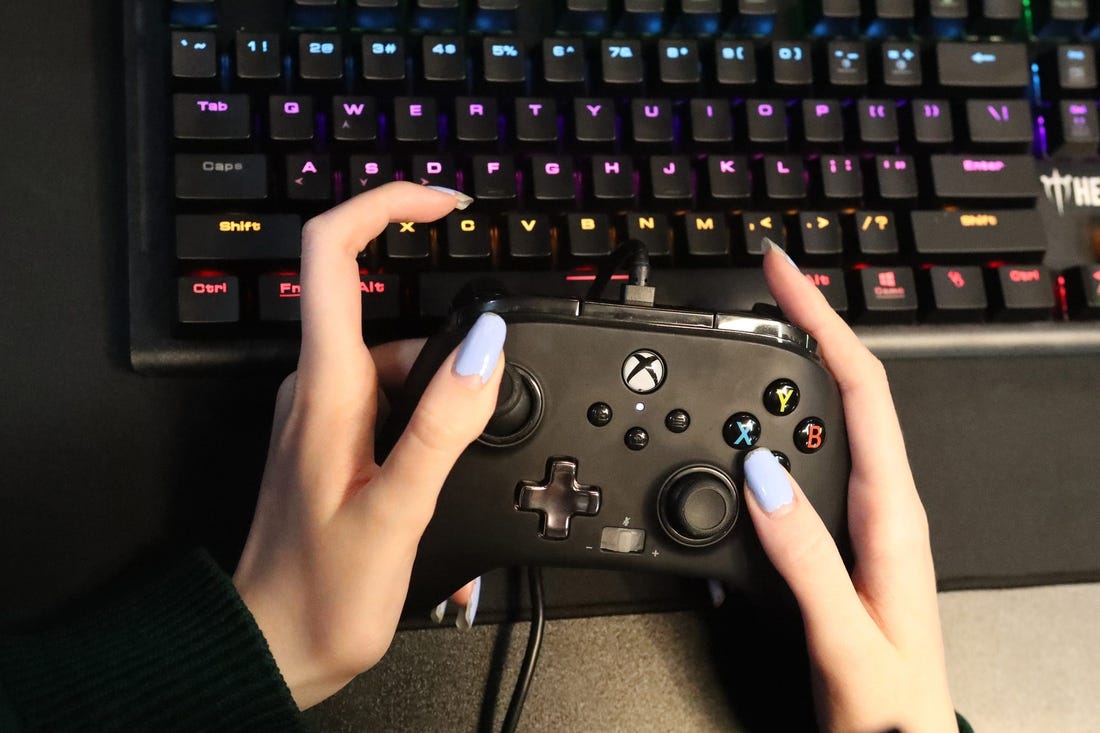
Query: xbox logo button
[643,371]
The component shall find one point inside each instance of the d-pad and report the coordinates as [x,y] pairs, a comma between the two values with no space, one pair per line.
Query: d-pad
[557,498]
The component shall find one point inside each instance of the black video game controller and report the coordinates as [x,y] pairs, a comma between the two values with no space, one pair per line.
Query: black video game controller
[618,442]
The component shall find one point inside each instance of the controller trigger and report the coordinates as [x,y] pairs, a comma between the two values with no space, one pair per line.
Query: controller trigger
[769,310]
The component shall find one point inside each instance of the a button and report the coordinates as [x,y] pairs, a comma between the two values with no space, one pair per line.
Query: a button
[622,539]
[677,421]
[599,414]
[636,438]
[558,498]
[643,371]
[783,460]
[742,431]
[809,436]
[781,397]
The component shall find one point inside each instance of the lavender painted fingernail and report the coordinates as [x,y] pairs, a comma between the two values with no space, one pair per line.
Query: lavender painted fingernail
[766,479]
[464,200]
[774,245]
[438,612]
[480,350]
[466,619]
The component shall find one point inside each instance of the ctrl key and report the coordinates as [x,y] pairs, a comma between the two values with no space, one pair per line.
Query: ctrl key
[209,299]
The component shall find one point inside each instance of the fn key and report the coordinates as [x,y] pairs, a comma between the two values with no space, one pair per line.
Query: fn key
[211,299]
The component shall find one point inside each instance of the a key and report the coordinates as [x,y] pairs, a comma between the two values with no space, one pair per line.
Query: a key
[320,57]
[984,177]
[208,299]
[594,120]
[1018,233]
[308,177]
[194,55]
[1022,293]
[238,236]
[476,119]
[1083,291]
[652,120]
[830,281]
[1076,67]
[211,117]
[494,178]
[290,117]
[279,296]
[536,119]
[710,121]
[416,119]
[354,118]
[258,55]
[200,176]
[954,294]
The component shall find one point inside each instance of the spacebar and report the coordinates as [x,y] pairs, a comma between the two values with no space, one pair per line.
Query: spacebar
[719,289]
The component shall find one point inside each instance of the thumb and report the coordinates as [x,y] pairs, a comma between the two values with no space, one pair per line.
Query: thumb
[801,549]
[452,412]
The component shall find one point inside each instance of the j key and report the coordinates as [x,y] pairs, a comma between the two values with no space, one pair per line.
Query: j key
[980,65]
[415,119]
[354,118]
[1076,67]
[290,117]
[678,61]
[494,178]
[308,177]
[652,230]
[369,171]
[552,178]
[320,56]
[563,61]
[897,178]
[213,299]
[434,170]
[383,58]
[612,179]
[728,181]
[1005,123]
[932,122]
[767,121]
[468,239]
[901,64]
[670,179]
[221,176]
[889,295]
[783,177]
[954,294]
[1077,133]
[822,123]
[258,56]
[503,61]
[710,121]
[1023,293]
[589,235]
[878,121]
[211,116]
[847,63]
[1015,232]
[408,242]
[984,177]
[1083,291]
[820,233]
[876,232]
[735,63]
[756,225]
[652,120]
[536,119]
[594,120]
[444,58]
[841,177]
[792,64]
[830,281]
[706,235]
[621,61]
[476,119]
[529,237]
[238,236]
[194,55]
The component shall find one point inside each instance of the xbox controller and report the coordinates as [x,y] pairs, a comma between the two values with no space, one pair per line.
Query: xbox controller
[618,442]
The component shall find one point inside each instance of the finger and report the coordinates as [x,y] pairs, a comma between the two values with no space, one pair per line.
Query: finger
[393,360]
[802,550]
[451,413]
[331,307]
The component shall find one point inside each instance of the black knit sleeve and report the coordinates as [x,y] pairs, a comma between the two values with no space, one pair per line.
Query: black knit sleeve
[181,653]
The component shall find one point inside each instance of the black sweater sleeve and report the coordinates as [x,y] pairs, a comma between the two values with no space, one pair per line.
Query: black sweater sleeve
[179,654]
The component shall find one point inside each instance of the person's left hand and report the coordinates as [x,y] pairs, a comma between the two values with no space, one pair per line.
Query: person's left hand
[326,566]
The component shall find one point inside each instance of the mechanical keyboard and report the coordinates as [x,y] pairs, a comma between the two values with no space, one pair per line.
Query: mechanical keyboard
[931,166]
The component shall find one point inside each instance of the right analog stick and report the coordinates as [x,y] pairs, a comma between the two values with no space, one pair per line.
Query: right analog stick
[698,505]
[518,410]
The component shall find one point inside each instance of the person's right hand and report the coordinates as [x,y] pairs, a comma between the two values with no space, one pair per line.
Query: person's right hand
[874,638]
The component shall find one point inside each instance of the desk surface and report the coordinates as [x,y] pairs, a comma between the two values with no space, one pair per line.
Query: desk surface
[102,464]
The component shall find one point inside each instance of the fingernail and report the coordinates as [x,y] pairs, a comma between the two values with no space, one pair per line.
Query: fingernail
[463,199]
[438,611]
[717,592]
[771,243]
[466,619]
[480,349]
[766,479]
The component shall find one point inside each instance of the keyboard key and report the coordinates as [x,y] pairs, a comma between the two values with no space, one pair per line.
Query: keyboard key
[290,117]
[735,63]
[211,116]
[1077,132]
[588,235]
[621,61]
[901,64]
[434,170]
[563,61]
[469,239]
[992,232]
[954,294]
[494,178]
[408,242]
[536,119]
[767,121]
[279,297]
[889,295]
[208,299]
[783,177]
[1004,123]
[354,118]
[503,61]
[1083,291]
[820,233]
[258,56]
[227,177]
[529,237]
[652,120]
[932,122]
[670,179]
[308,177]
[320,56]
[552,178]
[383,58]
[792,64]
[594,120]
[728,179]
[369,171]
[759,224]
[878,122]
[876,232]
[841,177]
[678,61]
[416,119]
[710,121]
[1076,67]
[612,179]
[981,65]
[706,235]
[897,179]
[847,63]
[238,236]
[984,177]
[194,55]
[476,119]
[822,123]
[652,230]
[830,281]
[1023,293]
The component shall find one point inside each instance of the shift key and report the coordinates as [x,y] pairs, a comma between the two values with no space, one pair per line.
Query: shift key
[990,232]
[234,177]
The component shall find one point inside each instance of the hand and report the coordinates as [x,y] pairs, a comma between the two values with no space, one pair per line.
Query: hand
[874,638]
[326,566]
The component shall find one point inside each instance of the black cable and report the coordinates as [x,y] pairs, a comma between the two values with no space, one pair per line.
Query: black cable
[531,656]
[632,250]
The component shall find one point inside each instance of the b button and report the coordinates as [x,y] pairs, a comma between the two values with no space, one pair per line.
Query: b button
[809,436]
